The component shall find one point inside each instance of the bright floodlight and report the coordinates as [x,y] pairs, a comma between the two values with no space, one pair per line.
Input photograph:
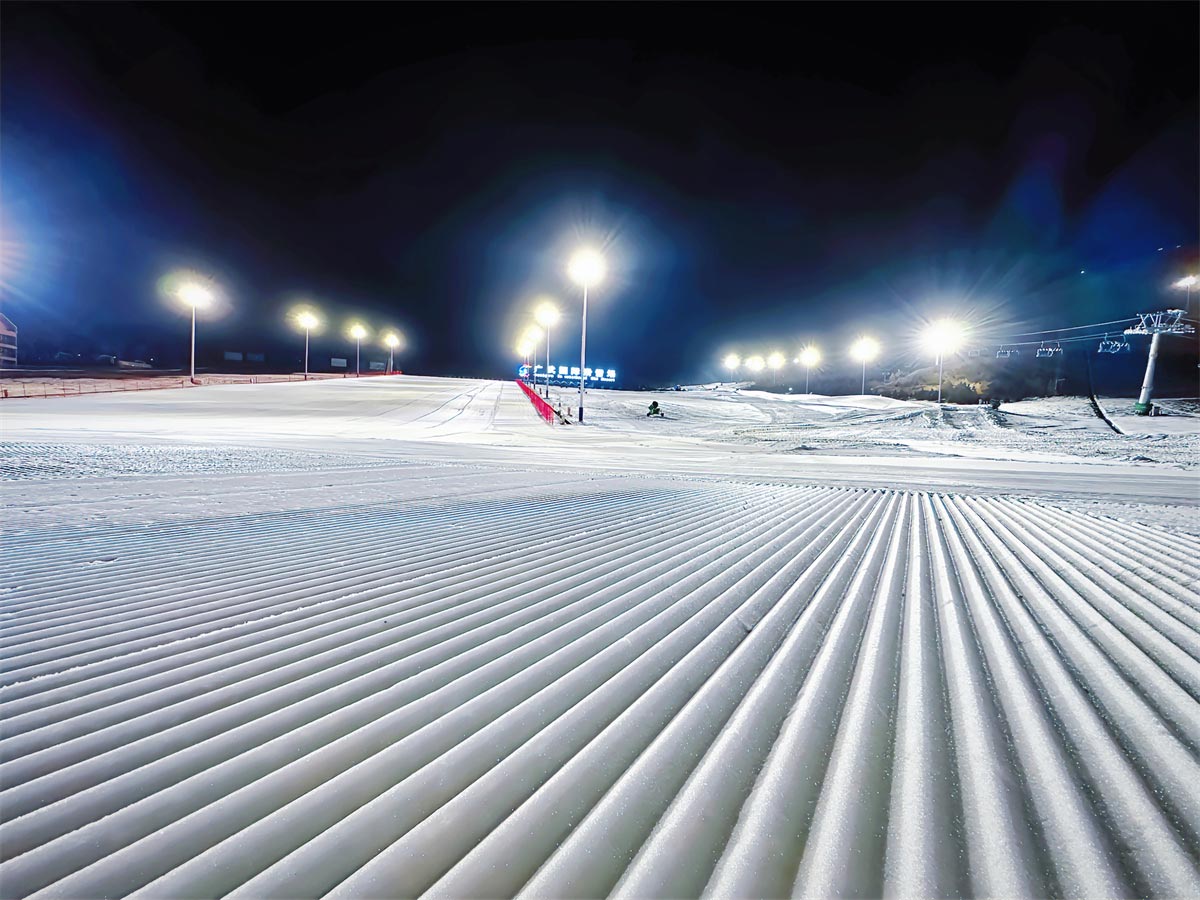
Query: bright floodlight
[391,340]
[546,314]
[943,337]
[808,358]
[586,267]
[755,364]
[732,361]
[194,294]
[524,349]
[864,349]
[357,332]
[775,360]
[308,321]
[192,290]
[1186,281]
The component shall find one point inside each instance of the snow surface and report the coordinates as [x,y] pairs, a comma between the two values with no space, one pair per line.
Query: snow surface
[398,636]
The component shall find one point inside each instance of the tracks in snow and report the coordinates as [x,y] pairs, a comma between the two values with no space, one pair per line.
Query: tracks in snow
[647,689]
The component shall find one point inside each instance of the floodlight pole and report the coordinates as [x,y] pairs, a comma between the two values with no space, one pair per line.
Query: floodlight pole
[864,378]
[939,379]
[306,329]
[357,357]
[391,351]
[547,362]
[583,353]
[193,343]
[807,375]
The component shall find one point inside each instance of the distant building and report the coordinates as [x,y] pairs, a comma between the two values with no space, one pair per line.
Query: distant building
[8,343]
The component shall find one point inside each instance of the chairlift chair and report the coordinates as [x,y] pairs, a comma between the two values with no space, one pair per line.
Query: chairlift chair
[1046,352]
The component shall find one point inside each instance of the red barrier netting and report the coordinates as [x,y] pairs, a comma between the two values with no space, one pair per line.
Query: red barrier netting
[544,409]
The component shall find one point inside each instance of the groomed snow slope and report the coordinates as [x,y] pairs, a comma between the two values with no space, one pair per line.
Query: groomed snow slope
[384,670]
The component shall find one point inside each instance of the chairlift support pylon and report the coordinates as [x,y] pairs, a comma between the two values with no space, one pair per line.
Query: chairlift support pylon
[1156,324]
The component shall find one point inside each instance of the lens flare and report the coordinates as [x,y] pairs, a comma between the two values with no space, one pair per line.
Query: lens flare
[546,314]
[864,349]
[306,319]
[943,337]
[586,267]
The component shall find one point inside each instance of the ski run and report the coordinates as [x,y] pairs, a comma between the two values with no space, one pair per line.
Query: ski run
[399,637]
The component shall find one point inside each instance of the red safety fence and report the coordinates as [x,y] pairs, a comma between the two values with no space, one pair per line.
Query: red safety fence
[544,409]
[12,389]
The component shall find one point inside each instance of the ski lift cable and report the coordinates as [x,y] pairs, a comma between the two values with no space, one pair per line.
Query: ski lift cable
[1070,328]
[1065,340]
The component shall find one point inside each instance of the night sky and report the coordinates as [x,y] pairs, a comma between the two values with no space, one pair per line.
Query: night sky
[758,175]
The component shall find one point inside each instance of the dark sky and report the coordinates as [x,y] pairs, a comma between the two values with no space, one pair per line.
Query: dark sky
[759,175]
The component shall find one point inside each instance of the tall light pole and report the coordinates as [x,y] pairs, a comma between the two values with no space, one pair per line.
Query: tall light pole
[530,338]
[1187,282]
[775,361]
[358,333]
[392,342]
[731,362]
[308,322]
[194,294]
[547,316]
[942,337]
[864,350]
[586,268]
[524,349]
[809,357]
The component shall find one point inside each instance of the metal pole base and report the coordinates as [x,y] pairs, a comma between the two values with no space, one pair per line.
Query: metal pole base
[581,415]
[1142,409]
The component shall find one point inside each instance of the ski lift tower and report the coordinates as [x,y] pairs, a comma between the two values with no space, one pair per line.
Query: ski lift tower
[1156,324]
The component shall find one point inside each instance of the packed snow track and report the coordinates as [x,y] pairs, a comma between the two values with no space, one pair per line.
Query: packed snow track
[348,671]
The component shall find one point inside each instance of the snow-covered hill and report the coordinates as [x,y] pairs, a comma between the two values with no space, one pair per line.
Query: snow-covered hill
[399,636]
